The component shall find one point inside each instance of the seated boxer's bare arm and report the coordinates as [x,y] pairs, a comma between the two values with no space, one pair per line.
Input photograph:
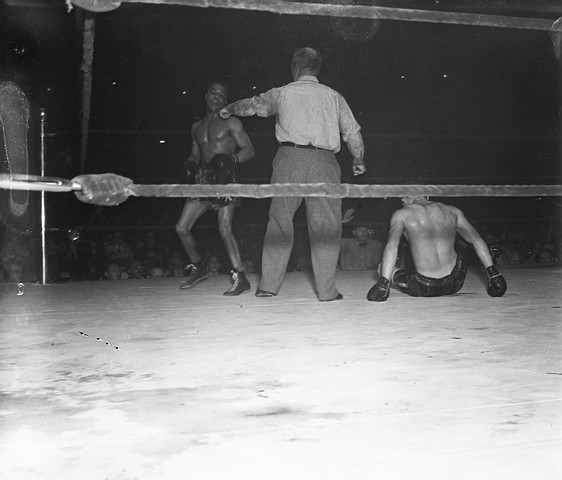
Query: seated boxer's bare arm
[390,251]
[496,284]
[469,233]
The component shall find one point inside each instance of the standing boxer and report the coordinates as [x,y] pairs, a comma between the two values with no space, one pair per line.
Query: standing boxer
[218,147]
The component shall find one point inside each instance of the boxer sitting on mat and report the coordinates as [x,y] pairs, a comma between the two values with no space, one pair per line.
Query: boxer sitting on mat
[431,228]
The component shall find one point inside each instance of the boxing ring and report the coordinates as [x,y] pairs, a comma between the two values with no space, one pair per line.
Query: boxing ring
[137,379]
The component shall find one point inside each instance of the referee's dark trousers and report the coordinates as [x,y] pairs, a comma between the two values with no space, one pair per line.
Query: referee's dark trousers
[298,165]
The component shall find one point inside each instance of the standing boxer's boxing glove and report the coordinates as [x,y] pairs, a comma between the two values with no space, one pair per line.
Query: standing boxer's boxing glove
[225,168]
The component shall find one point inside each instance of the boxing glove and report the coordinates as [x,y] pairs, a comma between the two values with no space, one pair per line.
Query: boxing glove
[496,283]
[225,168]
[379,291]
[191,170]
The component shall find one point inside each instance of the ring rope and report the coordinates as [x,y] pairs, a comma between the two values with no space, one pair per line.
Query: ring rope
[367,12]
[344,190]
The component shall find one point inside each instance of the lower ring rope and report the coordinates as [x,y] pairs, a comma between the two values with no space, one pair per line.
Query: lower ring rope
[111,189]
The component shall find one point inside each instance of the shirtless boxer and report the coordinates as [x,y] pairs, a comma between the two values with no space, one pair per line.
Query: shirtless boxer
[218,147]
[431,228]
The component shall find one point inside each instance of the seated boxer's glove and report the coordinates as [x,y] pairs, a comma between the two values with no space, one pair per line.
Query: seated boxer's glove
[191,170]
[379,291]
[496,283]
[225,168]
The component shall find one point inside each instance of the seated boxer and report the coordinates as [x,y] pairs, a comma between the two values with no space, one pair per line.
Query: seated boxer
[430,229]
[218,147]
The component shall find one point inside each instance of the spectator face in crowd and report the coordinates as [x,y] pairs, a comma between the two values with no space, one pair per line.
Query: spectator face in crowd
[117,250]
[512,253]
[113,271]
[491,239]
[150,239]
[300,260]
[177,259]
[138,244]
[135,269]
[156,272]
[93,248]
[213,264]
[363,233]
[303,263]
[362,252]
[550,246]
[93,270]
[515,258]
[545,255]
[118,238]
[249,266]
[146,265]
[177,264]
[152,258]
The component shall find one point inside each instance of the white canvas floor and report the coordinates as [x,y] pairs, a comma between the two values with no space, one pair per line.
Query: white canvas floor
[204,386]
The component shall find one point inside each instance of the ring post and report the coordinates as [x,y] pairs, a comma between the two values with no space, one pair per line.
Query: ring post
[43,209]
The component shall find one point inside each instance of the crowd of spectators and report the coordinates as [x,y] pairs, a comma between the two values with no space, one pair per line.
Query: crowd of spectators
[521,249]
[17,259]
[75,255]
[128,255]
[133,254]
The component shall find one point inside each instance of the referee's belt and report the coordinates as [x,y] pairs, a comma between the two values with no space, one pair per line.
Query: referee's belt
[307,147]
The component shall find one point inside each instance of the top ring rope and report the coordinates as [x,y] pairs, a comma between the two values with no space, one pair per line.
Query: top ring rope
[111,189]
[367,12]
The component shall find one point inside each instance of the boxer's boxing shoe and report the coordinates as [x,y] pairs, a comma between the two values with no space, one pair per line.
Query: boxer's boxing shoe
[240,284]
[197,273]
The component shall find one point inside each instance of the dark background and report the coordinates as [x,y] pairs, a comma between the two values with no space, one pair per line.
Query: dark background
[451,104]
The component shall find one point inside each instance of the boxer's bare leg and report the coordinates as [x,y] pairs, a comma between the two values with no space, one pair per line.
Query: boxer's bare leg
[191,212]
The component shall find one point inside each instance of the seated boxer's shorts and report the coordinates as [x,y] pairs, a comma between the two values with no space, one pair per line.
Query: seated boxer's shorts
[417,285]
